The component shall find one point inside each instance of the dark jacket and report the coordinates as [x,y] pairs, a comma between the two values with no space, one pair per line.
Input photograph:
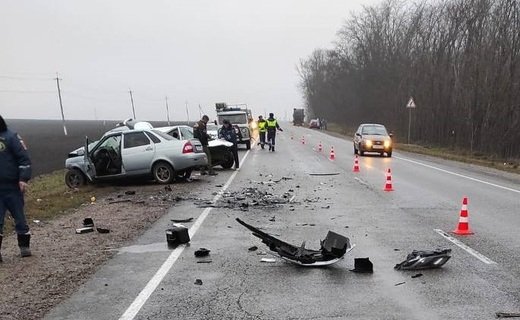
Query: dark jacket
[228,134]
[201,132]
[15,164]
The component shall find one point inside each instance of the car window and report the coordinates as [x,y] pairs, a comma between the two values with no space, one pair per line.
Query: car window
[174,133]
[112,142]
[153,137]
[163,135]
[233,118]
[374,130]
[135,139]
[187,133]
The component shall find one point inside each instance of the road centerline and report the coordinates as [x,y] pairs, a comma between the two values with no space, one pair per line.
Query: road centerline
[466,248]
[459,175]
[152,284]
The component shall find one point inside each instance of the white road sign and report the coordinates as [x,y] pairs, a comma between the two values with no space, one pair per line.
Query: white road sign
[410,104]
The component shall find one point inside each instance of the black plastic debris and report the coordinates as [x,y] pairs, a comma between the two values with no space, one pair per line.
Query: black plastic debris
[399,283]
[177,234]
[102,230]
[507,314]
[181,220]
[130,192]
[333,248]
[88,222]
[198,282]
[204,261]
[273,218]
[202,252]
[424,259]
[363,265]
[417,275]
[253,248]
[324,174]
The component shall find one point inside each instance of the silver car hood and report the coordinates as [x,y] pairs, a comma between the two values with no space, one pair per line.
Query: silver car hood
[219,142]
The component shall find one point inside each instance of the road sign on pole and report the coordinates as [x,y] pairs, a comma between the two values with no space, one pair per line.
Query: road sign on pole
[410,105]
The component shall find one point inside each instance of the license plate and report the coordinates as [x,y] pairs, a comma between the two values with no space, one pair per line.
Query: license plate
[377,147]
[198,148]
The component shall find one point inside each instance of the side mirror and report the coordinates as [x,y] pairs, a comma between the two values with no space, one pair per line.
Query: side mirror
[391,134]
[358,134]
[215,122]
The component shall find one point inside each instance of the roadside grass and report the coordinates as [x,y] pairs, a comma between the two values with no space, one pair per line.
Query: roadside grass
[445,153]
[48,197]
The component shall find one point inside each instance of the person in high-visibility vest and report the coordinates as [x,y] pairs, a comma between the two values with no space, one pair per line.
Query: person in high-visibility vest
[262,129]
[272,125]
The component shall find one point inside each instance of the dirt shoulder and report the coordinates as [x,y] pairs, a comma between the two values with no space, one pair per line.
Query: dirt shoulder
[63,260]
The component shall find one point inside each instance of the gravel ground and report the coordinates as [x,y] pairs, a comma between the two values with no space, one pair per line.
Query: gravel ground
[63,260]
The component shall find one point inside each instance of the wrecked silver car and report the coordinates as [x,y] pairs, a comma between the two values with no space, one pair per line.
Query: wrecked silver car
[333,248]
[134,150]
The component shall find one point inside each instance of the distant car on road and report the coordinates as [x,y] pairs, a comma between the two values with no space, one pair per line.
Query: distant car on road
[371,137]
[314,124]
[220,150]
[134,150]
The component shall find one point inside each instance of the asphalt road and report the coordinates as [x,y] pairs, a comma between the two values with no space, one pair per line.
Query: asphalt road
[150,281]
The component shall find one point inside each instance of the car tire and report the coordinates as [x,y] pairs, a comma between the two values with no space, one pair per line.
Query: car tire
[229,160]
[389,154]
[360,151]
[248,145]
[355,150]
[74,178]
[163,172]
[183,175]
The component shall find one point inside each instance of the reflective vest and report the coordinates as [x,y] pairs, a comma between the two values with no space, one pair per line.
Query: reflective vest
[262,126]
[271,123]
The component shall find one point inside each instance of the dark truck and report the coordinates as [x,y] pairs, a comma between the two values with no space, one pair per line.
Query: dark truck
[298,116]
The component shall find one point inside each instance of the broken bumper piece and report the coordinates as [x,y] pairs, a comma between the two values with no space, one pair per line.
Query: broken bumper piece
[333,248]
[424,259]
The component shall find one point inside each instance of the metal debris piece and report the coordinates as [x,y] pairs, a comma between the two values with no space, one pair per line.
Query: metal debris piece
[333,248]
[253,248]
[85,230]
[507,314]
[273,218]
[324,174]
[363,265]
[130,192]
[198,282]
[398,284]
[424,259]
[120,201]
[268,260]
[102,230]
[88,222]
[417,275]
[204,261]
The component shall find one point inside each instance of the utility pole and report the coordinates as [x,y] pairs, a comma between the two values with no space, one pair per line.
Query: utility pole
[167,111]
[132,100]
[61,103]
[200,111]
[187,112]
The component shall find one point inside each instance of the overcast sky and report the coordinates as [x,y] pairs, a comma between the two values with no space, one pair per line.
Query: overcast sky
[194,51]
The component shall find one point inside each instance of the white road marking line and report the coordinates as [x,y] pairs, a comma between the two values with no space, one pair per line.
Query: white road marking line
[363,182]
[292,198]
[150,287]
[469,250]
[459,175]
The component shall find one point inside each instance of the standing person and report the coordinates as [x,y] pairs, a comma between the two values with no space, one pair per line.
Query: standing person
[15,172]
[200,132]
[228,133]
[272,125]
[262,129]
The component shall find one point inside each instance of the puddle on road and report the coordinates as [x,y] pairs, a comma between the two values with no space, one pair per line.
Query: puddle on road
[153,247]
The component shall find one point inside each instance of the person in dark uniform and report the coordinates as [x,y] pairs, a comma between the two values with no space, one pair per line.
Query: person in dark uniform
[200,132]
[228,133]
[272,125]
[15,172]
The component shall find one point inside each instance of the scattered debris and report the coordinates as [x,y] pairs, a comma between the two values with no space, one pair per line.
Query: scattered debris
[261,253]
[268,260]
[324,174]
[363,265]
[417,275]
[130,192]
[395,249]
[333,248]
[398,284]
[119,201]
[507,314]
[168,188]
[182,220]
[36,221]
[177,234]
[198,282]
[85,230]
[102,230]
[253,248]
[424,259]
[326,207]
[202,252]
[88,222]
[204,261]
[273,218]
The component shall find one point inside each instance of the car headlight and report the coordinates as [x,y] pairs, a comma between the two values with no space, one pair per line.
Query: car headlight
[368,143]
[388,143]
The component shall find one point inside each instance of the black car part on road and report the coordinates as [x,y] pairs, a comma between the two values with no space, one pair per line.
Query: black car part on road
[424,259]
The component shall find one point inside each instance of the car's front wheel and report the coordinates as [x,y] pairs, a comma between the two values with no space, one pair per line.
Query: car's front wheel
[74,178]
[184,175]
[389,154]
[355,150]
[248,145]
[228,160]
[163,172]
[360,151]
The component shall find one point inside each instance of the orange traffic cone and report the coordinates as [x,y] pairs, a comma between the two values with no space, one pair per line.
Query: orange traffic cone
[388,185]
[320,147]
[303,139]
[356,164]
[332,155]
[463,226]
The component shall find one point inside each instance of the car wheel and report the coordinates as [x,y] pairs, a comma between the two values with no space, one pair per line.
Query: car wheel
[389,154]
[74,178]
[360,151]
[248,145]
[184,175]
[163,172]
[355,150]
[228,161]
